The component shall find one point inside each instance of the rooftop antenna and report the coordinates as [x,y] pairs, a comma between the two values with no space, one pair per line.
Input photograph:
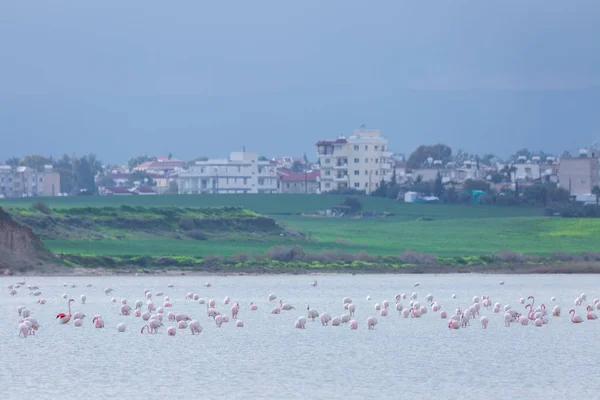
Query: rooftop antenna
[244,148]
[363,126]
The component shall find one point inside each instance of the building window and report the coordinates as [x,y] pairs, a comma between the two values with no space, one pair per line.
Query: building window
[356,160]
[327,161]
[376,148]
[201,170]
[377,161]
[328,172]
[376,172]
[41,179]
[356,147]
[366,160]
[382,148]
[239,169]
[366,172]
[327,185]
[288,185]
[366,184]
[245,181]
[366,147]
[356,172]
[227,181]
[356,184]
[338,147]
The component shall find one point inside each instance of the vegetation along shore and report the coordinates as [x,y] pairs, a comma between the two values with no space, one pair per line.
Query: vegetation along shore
[300,234]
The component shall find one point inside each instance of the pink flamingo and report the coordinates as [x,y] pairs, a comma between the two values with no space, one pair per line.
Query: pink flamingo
[371,322]
[300,323]
[171,331]
[64,318]
[591,314]
[98,322]
[576,319]
[152,326]
[253,307]
[195,327]
[354,324]
[235,309]
[484,322]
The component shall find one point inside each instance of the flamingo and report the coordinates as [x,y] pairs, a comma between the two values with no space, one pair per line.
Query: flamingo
[253,307]
[325,318]
[556,311]
[312,314]
[313,284]
[484,322]
[64,318]
[371,322]
[352,308]
[576,319]
[301,323]
[98,322]
[195,327]
[121,327]
[272,297]
[171,331]
[235,309]
[285,306]
[591,314]
[354,324]
[23,329]
[239,324]
[152,326]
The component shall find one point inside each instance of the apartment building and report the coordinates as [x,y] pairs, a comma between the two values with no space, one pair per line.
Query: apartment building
[579,175]
[359,161]
[28,182]
[240,173]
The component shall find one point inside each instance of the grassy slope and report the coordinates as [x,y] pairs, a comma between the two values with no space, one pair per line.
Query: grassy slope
[438,229]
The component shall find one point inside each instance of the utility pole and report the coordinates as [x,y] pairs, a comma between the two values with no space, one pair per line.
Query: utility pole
[305,182]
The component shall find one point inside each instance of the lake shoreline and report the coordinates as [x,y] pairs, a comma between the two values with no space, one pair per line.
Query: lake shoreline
[578,267]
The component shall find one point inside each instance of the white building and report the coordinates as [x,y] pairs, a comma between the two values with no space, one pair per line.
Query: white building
[240,173]
[358,162]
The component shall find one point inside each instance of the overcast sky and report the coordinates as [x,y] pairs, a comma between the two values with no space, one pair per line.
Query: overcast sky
[202,78]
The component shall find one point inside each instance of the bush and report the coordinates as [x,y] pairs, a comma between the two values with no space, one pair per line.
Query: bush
[286,253]
[413,257]
[187,224]
[506,200]
[41,207]
[354,203]
[486,199]
[196,234]
[511,257]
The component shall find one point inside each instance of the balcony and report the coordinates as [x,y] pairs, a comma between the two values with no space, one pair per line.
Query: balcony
[341,178]
[340,166]
[325,178]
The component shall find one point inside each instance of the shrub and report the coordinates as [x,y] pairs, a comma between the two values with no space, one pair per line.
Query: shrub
[187,224]
[213,259]
[240,257]
[196,234]
[511,257]
[286,253]
[41,207]
[563,256]
[353,203]
[413,257]
[486,199]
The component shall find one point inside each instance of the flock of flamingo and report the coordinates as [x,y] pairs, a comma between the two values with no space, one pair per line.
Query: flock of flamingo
[406,305]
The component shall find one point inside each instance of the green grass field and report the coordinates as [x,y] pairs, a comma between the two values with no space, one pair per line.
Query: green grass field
[281,204]
[443,230]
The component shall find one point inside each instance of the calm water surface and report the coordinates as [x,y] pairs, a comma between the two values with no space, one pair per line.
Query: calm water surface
[270,359]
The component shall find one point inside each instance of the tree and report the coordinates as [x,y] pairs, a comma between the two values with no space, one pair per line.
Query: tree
[353,203]
[419,157]
[263,158]
[438,186]
[13,162]
[297,166]
[476,184]
[135,161]
[488,159]
[107,181]
[566,154]
[84,176]
[381,190]
[596,192]
[173,188]
[35,161]
[508,170]
[142,177]
[64,167]
[497,177]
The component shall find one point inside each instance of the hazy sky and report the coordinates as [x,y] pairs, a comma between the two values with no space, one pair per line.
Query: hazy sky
[195,78]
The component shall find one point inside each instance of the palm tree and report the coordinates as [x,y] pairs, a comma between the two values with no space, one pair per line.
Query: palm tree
[596,192]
